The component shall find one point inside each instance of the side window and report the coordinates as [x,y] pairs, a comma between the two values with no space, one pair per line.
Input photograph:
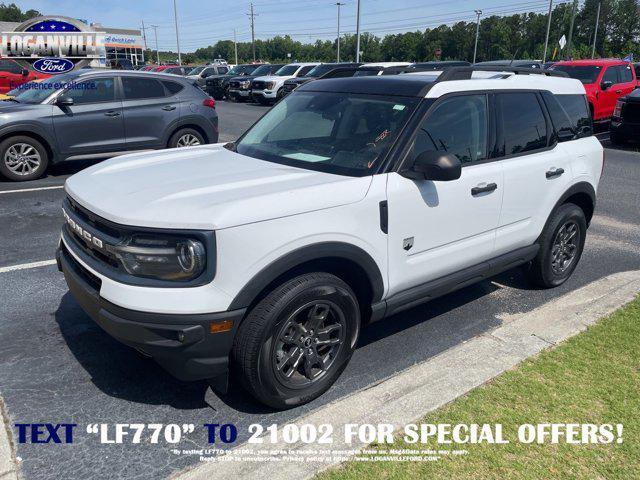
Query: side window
[456,125]
[222,70]
[577,109]
[139,88]
[93,91]
[172,87]
[522,123]
[625,74]
[10,66]
[304,70]
[565,127]
[610,75]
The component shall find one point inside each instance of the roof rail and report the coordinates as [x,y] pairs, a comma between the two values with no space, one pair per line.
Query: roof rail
[465,73]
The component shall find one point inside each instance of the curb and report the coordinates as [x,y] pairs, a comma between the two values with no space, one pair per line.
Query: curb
[8,468]
[412,393]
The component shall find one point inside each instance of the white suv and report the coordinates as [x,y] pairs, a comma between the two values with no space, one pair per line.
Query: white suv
[349,201]
[268,89]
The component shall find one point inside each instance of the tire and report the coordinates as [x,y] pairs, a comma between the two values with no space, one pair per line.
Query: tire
[562,237]
[277,361]
[22,158]
[186,137]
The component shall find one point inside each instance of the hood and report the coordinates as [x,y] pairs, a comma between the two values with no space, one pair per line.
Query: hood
[9,106]
[273,78]
[206,187]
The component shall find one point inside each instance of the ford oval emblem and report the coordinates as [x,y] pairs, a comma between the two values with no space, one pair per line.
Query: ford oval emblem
[53,66]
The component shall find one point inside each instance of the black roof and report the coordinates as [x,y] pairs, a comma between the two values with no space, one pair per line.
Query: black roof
[396,85]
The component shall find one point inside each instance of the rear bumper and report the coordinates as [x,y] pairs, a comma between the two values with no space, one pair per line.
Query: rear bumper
[181,344]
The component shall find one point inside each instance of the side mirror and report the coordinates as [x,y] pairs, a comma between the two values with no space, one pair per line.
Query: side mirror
[606,84]
[24,72]
[438,166]
[64,101]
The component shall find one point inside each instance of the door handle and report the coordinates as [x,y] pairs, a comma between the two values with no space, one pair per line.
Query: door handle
[618,91]
[554,172]
[168,108]
[112,113]
[489,187]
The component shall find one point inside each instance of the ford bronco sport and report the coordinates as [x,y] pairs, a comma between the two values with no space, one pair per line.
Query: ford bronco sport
[351,200]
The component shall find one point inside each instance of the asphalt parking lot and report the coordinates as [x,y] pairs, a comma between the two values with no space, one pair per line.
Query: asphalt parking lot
[57,366]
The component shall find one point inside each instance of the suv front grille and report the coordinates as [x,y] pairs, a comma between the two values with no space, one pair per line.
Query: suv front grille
[234,85]
[86,275]
[259,85]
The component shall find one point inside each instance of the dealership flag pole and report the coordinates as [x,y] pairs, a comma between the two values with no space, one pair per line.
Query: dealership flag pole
[475,48]
[358,33]
[546,41]
[339,5]
[595,34]
[175,17]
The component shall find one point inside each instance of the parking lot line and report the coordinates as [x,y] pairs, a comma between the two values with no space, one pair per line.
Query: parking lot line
[26,266]
[32,189]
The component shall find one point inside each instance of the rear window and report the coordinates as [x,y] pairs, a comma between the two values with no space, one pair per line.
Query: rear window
[137,88]
[173,87]
[586,74]
[522,123]
[570,116]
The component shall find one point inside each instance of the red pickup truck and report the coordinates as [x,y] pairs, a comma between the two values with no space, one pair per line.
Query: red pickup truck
[12,75]
[605,81]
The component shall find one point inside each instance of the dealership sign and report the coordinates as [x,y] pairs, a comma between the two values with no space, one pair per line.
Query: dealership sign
[54,39]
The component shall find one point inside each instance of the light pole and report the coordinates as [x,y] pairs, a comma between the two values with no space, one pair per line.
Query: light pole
[339,5]
[155,32]
[574,10]
[475,48]
[358,33]
[175,17]
[595,34]
[546,40]
[235,45]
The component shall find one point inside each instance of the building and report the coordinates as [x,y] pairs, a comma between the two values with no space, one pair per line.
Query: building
[119,43]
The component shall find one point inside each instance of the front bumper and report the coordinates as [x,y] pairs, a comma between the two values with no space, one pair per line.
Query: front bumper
[181,344]
[239,93]
[264,94]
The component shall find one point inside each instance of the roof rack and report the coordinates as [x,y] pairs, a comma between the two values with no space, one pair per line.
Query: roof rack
[465,73]
[343,71]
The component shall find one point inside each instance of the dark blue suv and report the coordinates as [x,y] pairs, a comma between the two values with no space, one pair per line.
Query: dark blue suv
[99,114]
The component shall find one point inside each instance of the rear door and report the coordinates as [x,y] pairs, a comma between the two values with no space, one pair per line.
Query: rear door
[435,227]
[94,123]
[149,111]
[607,98]
[626,81]
[537,169]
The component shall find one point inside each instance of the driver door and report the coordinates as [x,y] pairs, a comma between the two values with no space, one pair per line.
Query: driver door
[440,227]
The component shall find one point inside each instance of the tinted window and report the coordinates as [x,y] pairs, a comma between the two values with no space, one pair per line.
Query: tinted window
[610,75]
[173,87]
[287,70]
[522,123]
[586,74]
[577,109]
[137,88]
[625,74]
[304,70]
[9,66]
[456,125]
[93,91]
[222,70]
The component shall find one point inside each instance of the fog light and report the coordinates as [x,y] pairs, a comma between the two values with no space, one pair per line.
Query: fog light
[219,327]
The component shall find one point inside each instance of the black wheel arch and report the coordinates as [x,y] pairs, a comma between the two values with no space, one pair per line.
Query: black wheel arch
[581,194]
[349,262]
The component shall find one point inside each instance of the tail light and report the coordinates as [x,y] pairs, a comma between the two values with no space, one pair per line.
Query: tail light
[209,102]
[617,112]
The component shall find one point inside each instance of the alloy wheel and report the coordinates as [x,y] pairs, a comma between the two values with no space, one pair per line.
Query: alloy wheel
[565,247]
[22,159]
[187,140]
[308,344]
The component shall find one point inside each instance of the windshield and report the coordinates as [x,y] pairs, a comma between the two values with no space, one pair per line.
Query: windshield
[319,70]
[37,92]
[262,70]
[340,133]
[287,70]
[586,74]
[242,69]
[196,71]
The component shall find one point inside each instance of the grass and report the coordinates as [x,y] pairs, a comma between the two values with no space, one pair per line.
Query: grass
[593,377]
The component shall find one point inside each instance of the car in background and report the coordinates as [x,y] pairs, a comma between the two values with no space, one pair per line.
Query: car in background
[511,63]
[121,64]
[240,87]
[175,70]
[201,73]
[218,85]
[12,75]
[315,73]
[636,68]
[605,81]
[268,90]
[148,68]
[101,114]
[625,122]
[439,65]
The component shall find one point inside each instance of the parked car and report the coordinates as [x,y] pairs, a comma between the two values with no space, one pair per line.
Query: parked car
[201,73]
[636,69]
[121,64]
[267,90]
[316,72]
[99,114]
[625,123]
[440,65]
[12,75]
[270,254]
[605,80]
[511,63]
[374,69]
[218,85]
[240,87]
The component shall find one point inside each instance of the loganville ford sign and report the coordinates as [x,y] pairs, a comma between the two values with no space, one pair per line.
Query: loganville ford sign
[46,37]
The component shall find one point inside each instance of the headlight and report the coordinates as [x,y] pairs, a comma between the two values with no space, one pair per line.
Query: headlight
[270,85]
[177,259]
[245,84]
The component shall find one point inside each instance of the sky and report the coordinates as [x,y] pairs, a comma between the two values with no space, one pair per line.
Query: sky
[203,22]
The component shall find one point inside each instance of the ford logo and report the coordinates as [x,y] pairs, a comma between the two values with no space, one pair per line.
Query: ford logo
[53,66]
